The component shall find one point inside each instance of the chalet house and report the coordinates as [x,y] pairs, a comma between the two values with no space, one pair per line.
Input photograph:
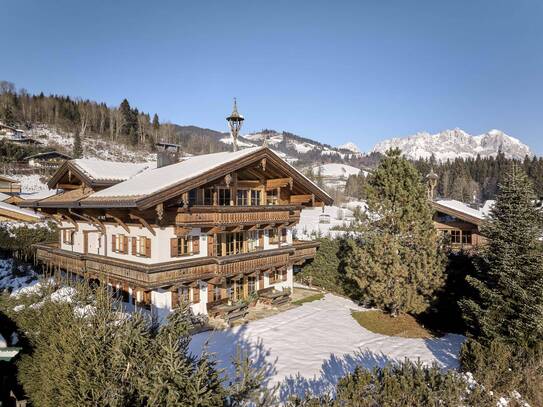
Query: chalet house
[208,229]
[459,222]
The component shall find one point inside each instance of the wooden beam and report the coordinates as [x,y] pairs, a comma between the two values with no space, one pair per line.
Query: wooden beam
[249,183]
[118,221]
[71,220]
[278,182]
[254,227]
[68,186]
[182,231]
[95,222]
[143,222]
[300,198]
[216,229]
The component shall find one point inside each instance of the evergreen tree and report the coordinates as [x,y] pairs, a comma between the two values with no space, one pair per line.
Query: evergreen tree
[77,151]
[397,263]
[509,283]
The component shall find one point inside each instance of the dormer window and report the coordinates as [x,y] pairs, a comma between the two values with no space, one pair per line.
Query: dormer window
[224,196]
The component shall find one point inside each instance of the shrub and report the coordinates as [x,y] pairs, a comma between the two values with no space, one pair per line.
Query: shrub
[18,238]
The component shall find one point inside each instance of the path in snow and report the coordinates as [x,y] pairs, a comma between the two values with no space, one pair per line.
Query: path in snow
[309,348]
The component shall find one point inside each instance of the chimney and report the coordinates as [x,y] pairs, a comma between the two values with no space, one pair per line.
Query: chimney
[167,154]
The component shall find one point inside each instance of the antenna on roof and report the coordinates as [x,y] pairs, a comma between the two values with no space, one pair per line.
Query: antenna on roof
[235,120]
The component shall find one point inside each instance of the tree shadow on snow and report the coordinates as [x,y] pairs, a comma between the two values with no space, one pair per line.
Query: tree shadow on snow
[446,349]
[332,369]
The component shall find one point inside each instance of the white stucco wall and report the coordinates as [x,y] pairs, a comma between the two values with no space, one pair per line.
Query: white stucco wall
[289,283]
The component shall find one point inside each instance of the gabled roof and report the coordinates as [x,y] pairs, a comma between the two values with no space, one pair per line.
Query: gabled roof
[94,172]
[459,210]
[152,186]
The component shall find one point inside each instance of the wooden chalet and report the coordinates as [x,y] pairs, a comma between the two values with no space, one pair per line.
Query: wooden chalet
[459,222]
[49,159]
[208,229]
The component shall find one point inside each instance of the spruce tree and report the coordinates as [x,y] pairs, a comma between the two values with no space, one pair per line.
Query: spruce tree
[509,283]
[397,261]
[77,150]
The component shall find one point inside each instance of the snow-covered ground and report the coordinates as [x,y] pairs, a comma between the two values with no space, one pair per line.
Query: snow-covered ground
[311,347]
[31,183]
[310,227]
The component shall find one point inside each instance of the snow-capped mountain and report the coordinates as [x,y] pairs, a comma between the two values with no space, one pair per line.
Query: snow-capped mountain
[349,146]
[451,144]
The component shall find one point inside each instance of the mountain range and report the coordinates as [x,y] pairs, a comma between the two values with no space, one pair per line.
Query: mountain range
[456,143]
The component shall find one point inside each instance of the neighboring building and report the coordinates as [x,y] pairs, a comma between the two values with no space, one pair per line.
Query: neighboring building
[10,212]
[208,229]
[9,185]
[50,159]
[459,222]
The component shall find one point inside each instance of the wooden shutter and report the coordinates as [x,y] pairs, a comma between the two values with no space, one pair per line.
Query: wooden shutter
[210,246]
[113,242]
[210,292]
[175,298]
[135,246]
[196,294]
[125,244]
[261,238]
[147,247]
[173,247]
[195,244]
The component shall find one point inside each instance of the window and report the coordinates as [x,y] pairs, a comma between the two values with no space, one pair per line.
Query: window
[273,236]
[68,236]
[224,196]
[251,284]
[208,196]
[184,293]
[193,197]
[255,197]
[252,241]
[466,237]
[456,236]
[283,235]
[242,197]
[275,276]
[234,243]
[180,246]
[119,244]
[141,246]
[272,197]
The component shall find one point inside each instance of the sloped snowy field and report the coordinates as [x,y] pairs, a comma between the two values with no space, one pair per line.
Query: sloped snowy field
[311,347]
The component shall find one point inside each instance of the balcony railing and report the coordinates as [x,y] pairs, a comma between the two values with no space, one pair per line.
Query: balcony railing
[150,276]
[236,215]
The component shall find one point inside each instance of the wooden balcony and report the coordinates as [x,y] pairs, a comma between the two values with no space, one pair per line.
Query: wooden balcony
[236,215]
[303,250]
[149,276]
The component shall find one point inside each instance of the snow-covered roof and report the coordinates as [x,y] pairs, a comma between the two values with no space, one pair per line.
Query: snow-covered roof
[103,170]
[4,197]
[156,179]
[46,193]
[487,206]
[22,211]
[461,207]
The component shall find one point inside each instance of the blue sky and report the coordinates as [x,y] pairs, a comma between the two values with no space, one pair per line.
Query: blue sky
[330,70]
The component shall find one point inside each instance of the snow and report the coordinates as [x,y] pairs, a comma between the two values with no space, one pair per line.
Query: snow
[3,196]
[487,207]
[349,146]
[9,281]
[309,226]
[456,143]
[22,211]
[111,170]
[228,140]
[309,348]
[157,179]
[31,183]
[46,193]
[461,207]
[336,170]
[3,343]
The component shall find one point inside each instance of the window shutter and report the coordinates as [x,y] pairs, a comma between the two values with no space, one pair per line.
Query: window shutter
[210,292]
[175,298]
[134,246]
[173,247]
[210,246]
[147,247]
[260,280]
[196,294]
[113,242]
[195,244]
[261,238]
[125,244]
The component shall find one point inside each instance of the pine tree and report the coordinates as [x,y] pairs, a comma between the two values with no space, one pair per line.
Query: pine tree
[77,151]
[509,284]
[397,262]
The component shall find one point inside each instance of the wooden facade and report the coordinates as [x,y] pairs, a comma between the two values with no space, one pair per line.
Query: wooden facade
[461,228]
[219,235]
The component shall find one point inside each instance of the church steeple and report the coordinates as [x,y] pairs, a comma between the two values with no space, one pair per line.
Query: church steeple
[235,120]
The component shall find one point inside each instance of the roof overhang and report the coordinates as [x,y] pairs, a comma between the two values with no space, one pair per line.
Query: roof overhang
[457,214]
